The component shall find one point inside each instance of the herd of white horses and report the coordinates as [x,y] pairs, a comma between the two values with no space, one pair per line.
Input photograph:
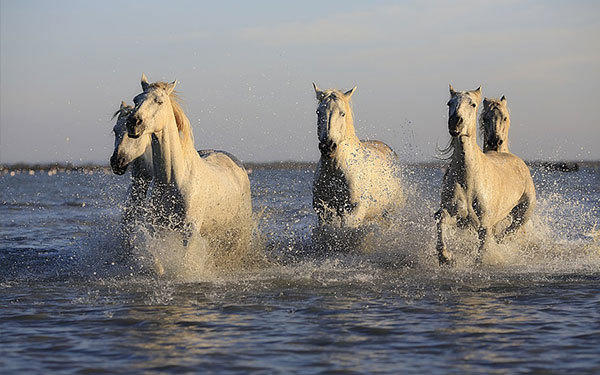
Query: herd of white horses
[199,193]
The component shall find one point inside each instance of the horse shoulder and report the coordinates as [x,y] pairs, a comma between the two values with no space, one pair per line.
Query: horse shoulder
[454,195]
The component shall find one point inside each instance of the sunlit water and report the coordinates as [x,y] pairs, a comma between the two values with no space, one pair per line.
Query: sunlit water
[74,301]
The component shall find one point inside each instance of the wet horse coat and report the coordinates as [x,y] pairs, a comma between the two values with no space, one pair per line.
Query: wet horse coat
[193,194]
[356,181]
[480,189]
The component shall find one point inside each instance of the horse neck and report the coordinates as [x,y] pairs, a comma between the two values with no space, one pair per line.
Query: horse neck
[141,168]
[504,147]
[466,153]
[349,147]
[170,158]
[350,131]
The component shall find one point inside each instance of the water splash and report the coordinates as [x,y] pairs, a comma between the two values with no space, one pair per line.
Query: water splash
[554,242]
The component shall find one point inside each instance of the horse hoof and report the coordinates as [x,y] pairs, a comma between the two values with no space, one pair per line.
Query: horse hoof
[158,267]
[445,259]
[446,262]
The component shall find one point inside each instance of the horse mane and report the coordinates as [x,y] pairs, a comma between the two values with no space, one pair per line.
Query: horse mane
[182,121]
[123,111]
[446,152]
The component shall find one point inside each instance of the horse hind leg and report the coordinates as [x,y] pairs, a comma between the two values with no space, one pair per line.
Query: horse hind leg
[444,256]
[520,214]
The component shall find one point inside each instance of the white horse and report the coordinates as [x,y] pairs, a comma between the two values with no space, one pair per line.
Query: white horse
[494,124]
[356,181]
[190,193]
[141,167]
[480,189]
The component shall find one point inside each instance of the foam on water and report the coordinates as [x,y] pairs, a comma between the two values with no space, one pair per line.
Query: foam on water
[108,252]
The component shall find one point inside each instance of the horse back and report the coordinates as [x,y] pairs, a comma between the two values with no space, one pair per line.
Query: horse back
[379,148]
[204,154]
[507,164]
[225,166]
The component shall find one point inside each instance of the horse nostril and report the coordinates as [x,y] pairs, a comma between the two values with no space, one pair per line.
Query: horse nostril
[130,123]
[455,121]
[138,121]
[118,164]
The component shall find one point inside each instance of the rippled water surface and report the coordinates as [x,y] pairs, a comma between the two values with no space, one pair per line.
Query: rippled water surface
[74,301]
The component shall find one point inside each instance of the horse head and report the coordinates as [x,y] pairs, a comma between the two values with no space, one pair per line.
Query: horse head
[152,108]
[126,149]
[334,118]
[495,122]
[462,111]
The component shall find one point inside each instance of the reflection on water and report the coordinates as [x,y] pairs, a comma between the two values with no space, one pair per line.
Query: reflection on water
[73,303]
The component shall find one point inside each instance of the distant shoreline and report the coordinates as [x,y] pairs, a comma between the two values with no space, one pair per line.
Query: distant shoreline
[53,168]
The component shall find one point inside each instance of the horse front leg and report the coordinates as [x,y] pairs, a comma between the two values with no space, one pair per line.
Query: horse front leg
[187,232]
[356,217]
[520,214]
[484,238]
[444,256]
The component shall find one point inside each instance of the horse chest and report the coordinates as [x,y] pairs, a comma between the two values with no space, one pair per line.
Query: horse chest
[331,189]
[168,206]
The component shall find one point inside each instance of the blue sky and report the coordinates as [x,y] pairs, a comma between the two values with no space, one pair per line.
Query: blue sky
[245,72]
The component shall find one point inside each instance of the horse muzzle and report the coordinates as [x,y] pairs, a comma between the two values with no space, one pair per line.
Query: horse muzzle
[494,143]
[454,124]
[327,147]
[118,165]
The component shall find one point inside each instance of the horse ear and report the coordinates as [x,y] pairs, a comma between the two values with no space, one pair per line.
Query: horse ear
[144,82]
[123,104]
[318,92]
[171,87]
[503,99]
[349,93]
[452,92]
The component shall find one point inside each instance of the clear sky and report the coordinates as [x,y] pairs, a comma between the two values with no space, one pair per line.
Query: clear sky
[245,71]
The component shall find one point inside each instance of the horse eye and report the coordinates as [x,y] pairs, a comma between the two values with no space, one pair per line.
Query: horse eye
[473,105]
[342,114]
[506,118]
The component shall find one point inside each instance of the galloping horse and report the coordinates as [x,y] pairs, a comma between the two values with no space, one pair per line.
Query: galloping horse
[356,180]
[191,193]
[141,167]
[494,124]
[480,189]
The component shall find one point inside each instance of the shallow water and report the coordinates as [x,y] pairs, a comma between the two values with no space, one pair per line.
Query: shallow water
[72,302]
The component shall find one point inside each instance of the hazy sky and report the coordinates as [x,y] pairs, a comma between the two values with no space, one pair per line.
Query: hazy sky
[245,71]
